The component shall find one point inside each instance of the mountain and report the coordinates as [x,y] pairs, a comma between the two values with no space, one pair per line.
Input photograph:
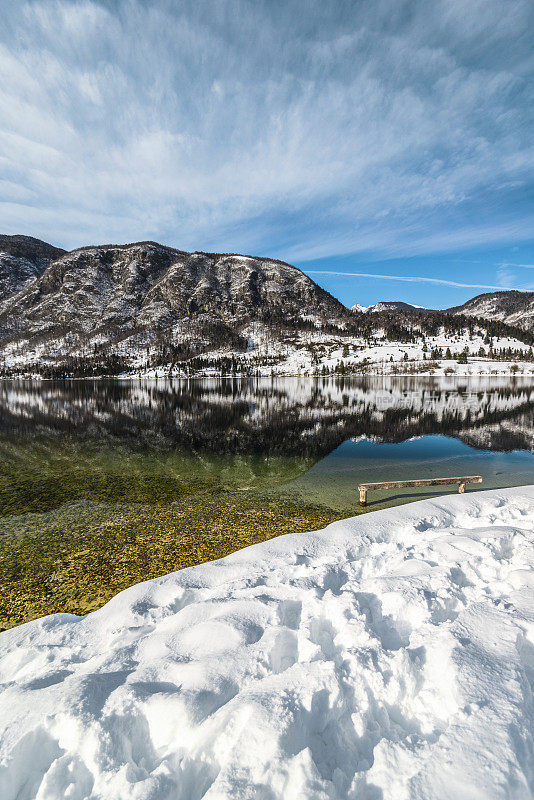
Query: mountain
[385,305]
[22,259]
[512,307]
[140,307]
[108,295]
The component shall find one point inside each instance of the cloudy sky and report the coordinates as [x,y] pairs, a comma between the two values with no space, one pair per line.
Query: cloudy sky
[384,146]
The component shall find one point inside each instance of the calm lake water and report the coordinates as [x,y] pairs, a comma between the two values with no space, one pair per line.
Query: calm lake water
[105,483]
[149,441]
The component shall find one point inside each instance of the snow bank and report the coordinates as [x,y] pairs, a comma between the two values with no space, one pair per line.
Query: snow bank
[387,656]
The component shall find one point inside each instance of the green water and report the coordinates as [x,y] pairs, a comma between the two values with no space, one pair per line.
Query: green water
[39,474]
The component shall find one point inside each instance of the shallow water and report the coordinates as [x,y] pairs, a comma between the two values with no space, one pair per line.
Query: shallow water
[334,480]
[107,483]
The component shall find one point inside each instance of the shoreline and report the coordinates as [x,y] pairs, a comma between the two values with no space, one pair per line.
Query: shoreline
[495,372]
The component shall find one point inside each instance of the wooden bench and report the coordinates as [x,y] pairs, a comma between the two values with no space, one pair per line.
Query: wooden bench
[369,487]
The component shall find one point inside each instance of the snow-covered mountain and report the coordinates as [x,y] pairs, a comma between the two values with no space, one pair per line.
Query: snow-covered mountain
[22,260]
[385,305]
[99,296]
[116,309]
[512,307]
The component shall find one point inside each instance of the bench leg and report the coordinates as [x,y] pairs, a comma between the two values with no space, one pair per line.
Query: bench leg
[461,488]
[363,497]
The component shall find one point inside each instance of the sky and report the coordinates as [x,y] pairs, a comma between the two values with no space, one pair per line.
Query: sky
[383,146]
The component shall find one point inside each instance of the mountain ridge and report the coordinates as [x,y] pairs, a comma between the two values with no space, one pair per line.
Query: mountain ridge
[29,247]
[145,289]
[23,259]
[134,306]
[511,306]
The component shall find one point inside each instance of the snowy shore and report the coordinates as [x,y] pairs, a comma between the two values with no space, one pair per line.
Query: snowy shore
[389,656]
[303,369]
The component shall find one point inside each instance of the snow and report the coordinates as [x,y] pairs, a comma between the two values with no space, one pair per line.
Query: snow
[388,656]
[297,353]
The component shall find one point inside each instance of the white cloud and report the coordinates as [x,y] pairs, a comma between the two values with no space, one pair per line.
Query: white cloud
[264,127]
[408,279]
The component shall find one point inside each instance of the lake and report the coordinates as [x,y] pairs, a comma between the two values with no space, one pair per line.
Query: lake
[111,482]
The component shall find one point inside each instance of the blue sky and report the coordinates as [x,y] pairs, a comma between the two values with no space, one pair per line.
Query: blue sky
[368,138]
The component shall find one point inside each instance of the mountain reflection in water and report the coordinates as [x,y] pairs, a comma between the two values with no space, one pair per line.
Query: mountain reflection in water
[150,441]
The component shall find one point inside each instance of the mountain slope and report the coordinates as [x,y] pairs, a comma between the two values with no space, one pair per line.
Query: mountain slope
[22,259]
[106,294]
[513,307]
[115,309]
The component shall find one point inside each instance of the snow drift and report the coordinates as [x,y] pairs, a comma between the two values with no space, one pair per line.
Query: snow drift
[387,656]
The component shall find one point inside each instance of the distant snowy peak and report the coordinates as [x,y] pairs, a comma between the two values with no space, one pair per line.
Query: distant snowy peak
[512,307]
[385,305]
